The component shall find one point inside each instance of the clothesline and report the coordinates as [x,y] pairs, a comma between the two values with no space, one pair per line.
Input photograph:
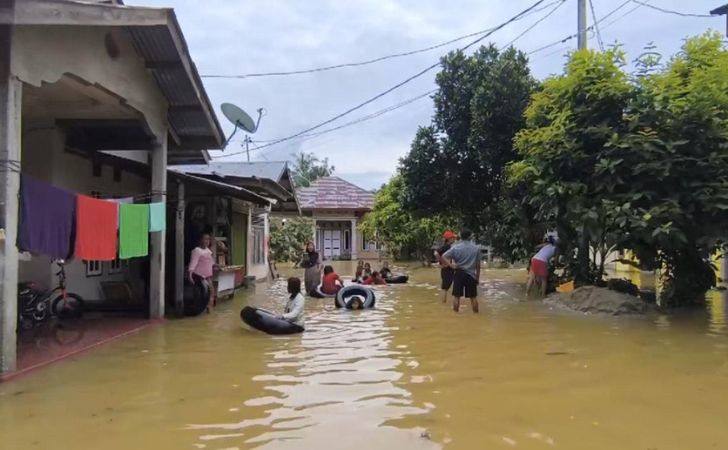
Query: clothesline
[60,223]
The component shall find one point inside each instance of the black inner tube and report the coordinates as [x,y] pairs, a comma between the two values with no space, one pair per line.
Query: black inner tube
[397,279]
[267,322]
[344,297]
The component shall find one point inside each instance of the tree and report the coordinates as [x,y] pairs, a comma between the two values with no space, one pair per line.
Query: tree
[307,167]
[288,237]
[562,146]
[456,165]
[634,163]
[675,159]
[404,234]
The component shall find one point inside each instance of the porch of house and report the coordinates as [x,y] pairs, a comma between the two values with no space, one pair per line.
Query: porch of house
[74,98]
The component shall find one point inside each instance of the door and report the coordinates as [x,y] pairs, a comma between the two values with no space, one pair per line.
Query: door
[327,243]
[336,243]
[240,239]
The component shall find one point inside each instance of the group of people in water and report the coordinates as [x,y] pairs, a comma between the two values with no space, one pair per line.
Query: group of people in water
[459,259]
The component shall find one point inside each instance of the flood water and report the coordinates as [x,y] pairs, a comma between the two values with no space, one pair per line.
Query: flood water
[410,374]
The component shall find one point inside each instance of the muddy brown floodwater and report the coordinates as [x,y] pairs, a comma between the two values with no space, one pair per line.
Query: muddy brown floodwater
[410,374]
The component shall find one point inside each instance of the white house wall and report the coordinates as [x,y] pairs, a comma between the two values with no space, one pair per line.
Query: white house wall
[44,157]
[42,54]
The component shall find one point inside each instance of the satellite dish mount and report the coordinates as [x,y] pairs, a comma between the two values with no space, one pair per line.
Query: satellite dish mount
[241,120]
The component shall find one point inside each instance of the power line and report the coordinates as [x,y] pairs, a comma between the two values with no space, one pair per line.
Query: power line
[381,112]
[670,11]
[401,83]
[596,25]
[561,2]
[374,60]
[344,125]
[617,19]
[572,36]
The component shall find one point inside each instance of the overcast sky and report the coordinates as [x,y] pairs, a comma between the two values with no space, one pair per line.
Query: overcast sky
[248,36]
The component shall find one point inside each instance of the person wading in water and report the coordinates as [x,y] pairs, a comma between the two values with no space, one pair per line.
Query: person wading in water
[312,263]
[464,258]
[200,269]
[446,272]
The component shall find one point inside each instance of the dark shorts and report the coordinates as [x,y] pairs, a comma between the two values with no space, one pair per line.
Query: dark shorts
[464,285]
[446,274]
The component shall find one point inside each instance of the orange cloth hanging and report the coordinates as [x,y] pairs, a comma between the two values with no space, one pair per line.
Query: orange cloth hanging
[96,225]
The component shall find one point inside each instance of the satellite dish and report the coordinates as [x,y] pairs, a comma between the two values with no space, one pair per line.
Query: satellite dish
[242,120]
[239,118]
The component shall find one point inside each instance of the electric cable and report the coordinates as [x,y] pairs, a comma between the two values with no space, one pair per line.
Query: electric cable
[373,60]
[398,85]
[596,25]
[671,11]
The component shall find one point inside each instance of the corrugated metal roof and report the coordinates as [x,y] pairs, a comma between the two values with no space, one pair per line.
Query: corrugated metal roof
[223,188]
[272,170]
[333,193]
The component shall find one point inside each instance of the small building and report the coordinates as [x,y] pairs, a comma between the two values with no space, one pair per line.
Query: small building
[270,180]
[336,207]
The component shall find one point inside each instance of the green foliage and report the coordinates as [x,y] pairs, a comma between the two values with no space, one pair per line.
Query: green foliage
[455,166]
[288,237]
[565,171]
[307,167]
[635,163]
[404,234]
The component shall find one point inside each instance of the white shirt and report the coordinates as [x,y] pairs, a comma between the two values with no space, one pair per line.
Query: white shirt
[546,253]
[294,310]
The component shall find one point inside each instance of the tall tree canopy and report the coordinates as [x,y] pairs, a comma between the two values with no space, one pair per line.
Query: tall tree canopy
[638,164]
[456,165]
[307,167]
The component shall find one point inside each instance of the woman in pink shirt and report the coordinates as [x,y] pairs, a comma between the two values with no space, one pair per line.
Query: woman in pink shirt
[200,268]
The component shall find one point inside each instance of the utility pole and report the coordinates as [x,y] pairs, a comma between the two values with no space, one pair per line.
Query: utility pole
[581,19]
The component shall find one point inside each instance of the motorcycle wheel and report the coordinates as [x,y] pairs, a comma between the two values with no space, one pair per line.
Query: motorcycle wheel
[71,308]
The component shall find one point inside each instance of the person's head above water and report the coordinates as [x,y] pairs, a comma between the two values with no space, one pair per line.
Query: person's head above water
[356,302]
[376,275]
[328,270]
[310,247]
[466,234]
[367,266]
[294,286]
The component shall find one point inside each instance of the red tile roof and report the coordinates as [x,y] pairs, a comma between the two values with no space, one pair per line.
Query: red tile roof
[334,193]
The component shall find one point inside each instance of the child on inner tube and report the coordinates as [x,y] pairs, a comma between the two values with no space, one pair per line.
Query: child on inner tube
[294,307]
[331,283]
[376,278]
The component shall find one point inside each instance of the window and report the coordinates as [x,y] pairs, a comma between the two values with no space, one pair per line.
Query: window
[347,241]
[115,266]
[93,268]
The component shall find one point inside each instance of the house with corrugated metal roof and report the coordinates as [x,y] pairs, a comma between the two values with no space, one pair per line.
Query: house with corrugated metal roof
[336,207]
[96,98]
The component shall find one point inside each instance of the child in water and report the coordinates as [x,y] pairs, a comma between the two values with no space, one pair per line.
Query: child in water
[385,272]
[294,307]
[358,274]
[367,272]
[376,278]
[331,281]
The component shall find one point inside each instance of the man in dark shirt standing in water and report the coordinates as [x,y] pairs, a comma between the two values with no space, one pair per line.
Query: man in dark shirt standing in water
[446,272]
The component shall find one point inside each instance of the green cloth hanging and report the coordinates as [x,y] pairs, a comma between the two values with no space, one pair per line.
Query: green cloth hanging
[157,217]
[133,230]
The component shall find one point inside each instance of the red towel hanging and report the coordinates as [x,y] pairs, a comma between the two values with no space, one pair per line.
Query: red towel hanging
[96,225]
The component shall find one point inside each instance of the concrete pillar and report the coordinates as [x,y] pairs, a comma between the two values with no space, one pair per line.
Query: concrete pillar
[157,251]
[179,254]
[354,248]
[10,140]
[249,247]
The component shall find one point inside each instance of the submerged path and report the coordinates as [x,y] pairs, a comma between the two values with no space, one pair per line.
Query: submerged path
[410,374]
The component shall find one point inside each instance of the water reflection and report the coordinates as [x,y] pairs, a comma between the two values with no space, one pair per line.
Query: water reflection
[338,382]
